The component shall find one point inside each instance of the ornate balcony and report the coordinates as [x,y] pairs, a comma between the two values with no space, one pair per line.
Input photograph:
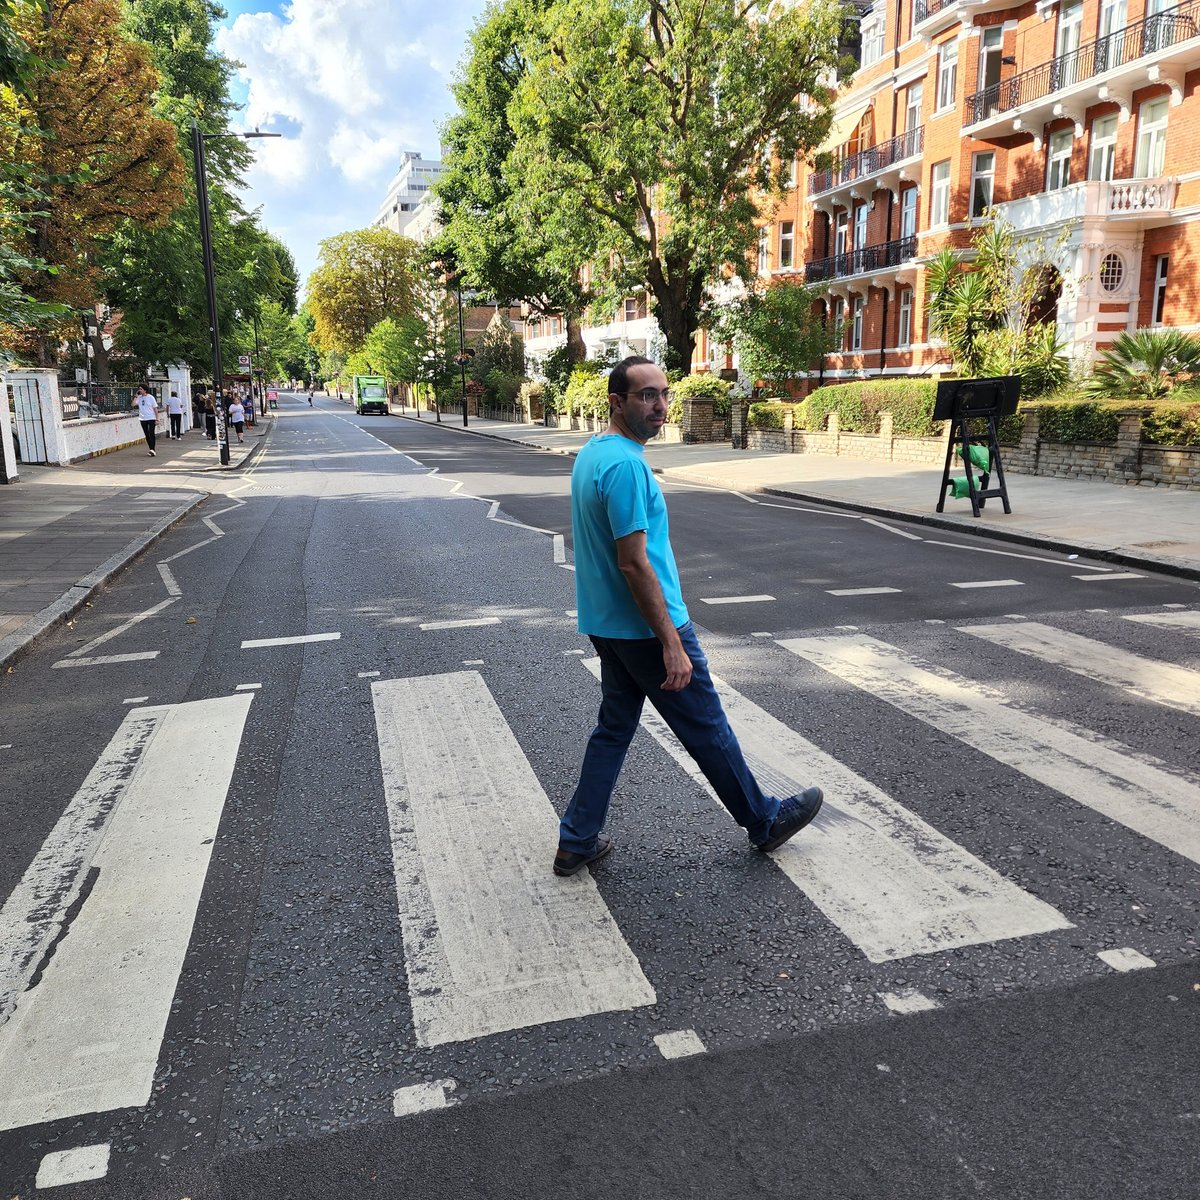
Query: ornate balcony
[878,163]
[930,16]
[885,256]
[1128,203]
[1108,68]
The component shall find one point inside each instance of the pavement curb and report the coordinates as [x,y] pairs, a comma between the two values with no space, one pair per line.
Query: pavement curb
[1118,557]
[41,623]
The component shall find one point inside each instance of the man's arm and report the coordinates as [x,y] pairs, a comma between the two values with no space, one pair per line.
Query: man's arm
[647,595]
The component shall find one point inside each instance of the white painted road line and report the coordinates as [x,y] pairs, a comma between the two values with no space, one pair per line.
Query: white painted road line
[260,643]
[1186,622]
[682,1043]
[136,700]
[368,674]
[422,1097]
[1125,959]
[493,939]
[169,582]
[909,1000]
[105,660]
[989,583]
[1133,789]
[247,687]
[73,1166]
[468,623]
[153,611]
[892,883]
[912,537]
[871,591]
[86,1038]
[734,599]
[1106,578]
[1149,679]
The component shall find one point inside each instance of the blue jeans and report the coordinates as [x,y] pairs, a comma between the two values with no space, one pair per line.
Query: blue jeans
[631,670]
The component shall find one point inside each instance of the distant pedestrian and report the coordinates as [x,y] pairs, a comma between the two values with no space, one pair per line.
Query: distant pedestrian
[210,419]
[237,416]
[630,604]
[147,408]
[175,413]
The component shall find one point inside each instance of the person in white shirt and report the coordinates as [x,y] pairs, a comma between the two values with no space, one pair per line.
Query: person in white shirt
[237,416]
[175,412]
[147,408]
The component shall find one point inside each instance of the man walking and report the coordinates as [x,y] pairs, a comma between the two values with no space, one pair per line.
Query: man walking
[175,413]
[630,604]
[147,408]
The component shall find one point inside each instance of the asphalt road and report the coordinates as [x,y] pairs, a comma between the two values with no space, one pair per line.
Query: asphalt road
[334,896]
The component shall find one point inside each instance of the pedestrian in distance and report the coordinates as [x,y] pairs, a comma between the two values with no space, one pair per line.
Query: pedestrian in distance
[175,414]
[147,408]
[630,605]
[210,419]
[237,416]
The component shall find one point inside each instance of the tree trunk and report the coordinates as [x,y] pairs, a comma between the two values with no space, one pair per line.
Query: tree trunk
[677,311]
[575,344]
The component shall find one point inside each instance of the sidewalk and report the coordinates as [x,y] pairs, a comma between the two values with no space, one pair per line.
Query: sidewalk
[1153,528]
[64,531]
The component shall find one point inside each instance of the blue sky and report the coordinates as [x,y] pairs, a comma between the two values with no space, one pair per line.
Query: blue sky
[351,83]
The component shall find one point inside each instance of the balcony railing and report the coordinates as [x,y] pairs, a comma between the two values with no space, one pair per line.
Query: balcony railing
[860,262]
[924,9]
[869,162]
[1148,36]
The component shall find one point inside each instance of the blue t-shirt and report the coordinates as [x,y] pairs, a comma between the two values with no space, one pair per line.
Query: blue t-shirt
[613,494]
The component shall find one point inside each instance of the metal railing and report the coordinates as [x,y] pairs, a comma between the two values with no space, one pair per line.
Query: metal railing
[924,9]
[83,401]
[1148,36]
[869,162]
[859,262]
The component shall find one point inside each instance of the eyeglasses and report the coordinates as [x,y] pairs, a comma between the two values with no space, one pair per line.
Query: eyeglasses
[649,395]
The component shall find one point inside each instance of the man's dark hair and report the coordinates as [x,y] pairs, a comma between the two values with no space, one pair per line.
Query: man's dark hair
[618,378]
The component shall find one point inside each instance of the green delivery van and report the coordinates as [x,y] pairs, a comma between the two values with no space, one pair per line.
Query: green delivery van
[370,394]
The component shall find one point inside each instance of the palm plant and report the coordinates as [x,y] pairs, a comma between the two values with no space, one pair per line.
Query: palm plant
[1146,366]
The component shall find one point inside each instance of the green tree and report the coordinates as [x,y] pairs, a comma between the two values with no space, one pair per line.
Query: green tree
[1147,366]
[392,349]
[668,124]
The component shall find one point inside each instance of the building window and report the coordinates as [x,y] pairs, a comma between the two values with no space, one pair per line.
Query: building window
[906,305]
[908,213]
[1058,160]
[631,308]
[787,240]
[1065,70]
[1112,272]
[860,226]
[1103,154]
[840,233]
[991,49]
[872,39]
[1160,289]
[792,179]
[939,194]
[1152,139]
[763,251]
[856,322]
[983,181]
[947,76]
[912,108]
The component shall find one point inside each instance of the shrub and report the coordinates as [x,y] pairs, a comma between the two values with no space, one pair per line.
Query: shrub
[587,393]
[1076,420]
[858,405]
[768,414]
[1173,424]
[707,386]
[533,390]
[1147,366]
[502,388]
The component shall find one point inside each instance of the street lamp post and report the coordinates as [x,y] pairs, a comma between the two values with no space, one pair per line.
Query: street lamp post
[463,356]
[210,276]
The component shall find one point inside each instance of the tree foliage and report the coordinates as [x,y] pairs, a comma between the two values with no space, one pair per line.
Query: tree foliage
[362,277]
[776,331]
[650,133]
[1147,366]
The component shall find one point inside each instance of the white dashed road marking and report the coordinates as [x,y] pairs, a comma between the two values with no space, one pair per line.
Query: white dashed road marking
[734,599]
[422,1097]
[468,623]
[260,643]
[871,591]
[1125,959]
[73,1166]
[682,1043]
[989,583]
[908,1001]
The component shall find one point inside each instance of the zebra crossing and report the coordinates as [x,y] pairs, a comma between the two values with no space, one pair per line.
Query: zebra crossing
[93,938]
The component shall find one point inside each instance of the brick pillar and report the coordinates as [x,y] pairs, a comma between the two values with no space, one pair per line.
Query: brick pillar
[739,420]
[1030,444]
[697,419]
[533,407]
[885,434]
[472,406]
[835,432]
[1129,445]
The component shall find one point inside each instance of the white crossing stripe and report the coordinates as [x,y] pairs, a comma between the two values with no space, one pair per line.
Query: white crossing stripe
[105,660]
[734,599]
[86,1038]
[468,623]
[248,687]
[1187,622]
[260,643]
[422,1097]
[1133,789]
[868,591]
[989,583]
[908,1000]
[682,1043]
[1125,959]
[1149,679]
[1106,578]
[888,880]
[76,1165]
[493,940]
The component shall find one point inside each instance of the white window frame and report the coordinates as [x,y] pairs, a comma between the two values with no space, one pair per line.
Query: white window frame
[631,300]
[1102,152]
[912,104]
[787,245]
[939,194]
[983,174]
[1151,139]
[861,214]
[904,332]
[1112,17]
[841,232]
[873,29]
[1158,308]
[991,44]
[909,203]
[857,309]
[764,251]
[1058,159]
[947,75]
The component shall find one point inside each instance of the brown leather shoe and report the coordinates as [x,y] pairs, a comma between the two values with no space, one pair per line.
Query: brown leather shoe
[568,862]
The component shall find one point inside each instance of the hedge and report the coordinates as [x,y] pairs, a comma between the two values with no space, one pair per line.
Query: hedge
[768,414]
[858,406]
[705,385]
[587,395]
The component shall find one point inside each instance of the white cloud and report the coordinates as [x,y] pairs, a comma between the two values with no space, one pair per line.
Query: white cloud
[353,82]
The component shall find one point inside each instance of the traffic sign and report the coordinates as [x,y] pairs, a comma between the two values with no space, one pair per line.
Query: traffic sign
[243,360]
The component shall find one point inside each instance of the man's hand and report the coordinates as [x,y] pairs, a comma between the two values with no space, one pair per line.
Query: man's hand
[679,668]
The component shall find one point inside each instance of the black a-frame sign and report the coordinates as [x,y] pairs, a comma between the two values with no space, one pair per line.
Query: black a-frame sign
[973,407]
